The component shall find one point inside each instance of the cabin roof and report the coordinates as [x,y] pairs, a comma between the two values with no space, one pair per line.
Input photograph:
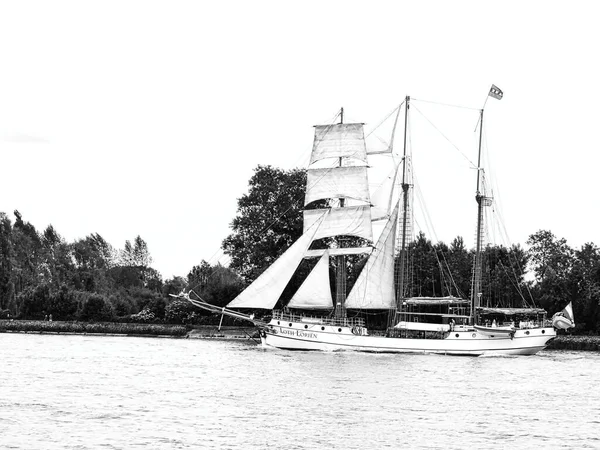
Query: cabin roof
[512,311]
[450,300]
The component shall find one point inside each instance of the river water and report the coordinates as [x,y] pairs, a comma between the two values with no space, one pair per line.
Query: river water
[96,392]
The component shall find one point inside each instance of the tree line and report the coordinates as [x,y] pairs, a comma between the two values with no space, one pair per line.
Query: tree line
[42,275]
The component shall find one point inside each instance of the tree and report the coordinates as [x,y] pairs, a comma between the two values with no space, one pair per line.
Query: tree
[174,286]
[222,286]
[586,288]
[460,265]
[199,275]
[96,308]
[136,255]
[552,261]
[268,221]
[6,284]
[62,304]
[549,256]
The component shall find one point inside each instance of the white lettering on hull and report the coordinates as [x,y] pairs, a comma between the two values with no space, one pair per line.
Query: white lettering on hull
[298,333]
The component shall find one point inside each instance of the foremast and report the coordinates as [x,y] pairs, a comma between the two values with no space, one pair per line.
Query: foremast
[337,175]
[402,263]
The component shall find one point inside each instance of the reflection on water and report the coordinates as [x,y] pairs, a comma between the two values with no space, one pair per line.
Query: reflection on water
[82,392]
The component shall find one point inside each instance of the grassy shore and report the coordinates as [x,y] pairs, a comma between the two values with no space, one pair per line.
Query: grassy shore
[129,329]
[570,342]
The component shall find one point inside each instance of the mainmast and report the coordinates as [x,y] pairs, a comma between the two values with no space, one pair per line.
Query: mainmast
[405,187]
[476,292]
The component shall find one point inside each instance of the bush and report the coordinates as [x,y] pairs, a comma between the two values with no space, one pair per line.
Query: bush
[144,316]
[96,308]
[180,311]
[62,305]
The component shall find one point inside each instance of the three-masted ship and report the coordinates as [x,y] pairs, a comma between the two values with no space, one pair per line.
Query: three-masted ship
[338,220]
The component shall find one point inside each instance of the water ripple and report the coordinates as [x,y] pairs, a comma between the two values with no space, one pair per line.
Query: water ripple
[89,392]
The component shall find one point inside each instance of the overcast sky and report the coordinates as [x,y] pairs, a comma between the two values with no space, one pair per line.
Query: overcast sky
[148,117]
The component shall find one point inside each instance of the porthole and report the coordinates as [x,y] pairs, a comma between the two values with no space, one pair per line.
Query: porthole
[474,335]
[305,326]
[322,328]
[456,335]
[543,331]
[527,332]
[290,324]
[492,335]
[278,323]
[340,330]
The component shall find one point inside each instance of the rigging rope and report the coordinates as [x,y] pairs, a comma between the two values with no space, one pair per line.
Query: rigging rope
[473,165]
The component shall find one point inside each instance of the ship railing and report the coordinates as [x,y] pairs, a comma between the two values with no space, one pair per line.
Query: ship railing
[523,324]
[320,320]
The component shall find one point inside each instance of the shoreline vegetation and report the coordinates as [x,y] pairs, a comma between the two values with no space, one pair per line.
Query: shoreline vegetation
[562,342]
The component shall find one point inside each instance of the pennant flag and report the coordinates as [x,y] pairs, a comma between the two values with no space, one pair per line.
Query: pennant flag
[496,92]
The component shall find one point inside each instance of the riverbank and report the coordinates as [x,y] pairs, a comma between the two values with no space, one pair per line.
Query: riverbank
[103,328]
[128,329]
[571,342]
[562,342]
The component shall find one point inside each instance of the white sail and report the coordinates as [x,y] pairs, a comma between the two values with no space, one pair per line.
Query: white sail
[350,221]
[338,251]
[382,197]
[374,288]
[266,289]
[315,292]
[568,312]
[337,182]
[341,140]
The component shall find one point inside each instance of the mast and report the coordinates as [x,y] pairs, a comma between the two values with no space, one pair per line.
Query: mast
[476,292]
[405,187]
[340,270]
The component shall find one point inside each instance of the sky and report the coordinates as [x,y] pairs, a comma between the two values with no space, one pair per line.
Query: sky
[147,118]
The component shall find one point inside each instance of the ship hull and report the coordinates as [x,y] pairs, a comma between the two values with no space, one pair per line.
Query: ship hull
[301,336]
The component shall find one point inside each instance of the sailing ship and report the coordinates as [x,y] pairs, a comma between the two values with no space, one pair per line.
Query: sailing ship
[314,319]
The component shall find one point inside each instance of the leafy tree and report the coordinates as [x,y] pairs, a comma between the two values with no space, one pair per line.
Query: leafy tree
[62,304]
[268,221]
[174,286]
[549,256]
[6,284]
[136,255]
[93,257]
[586,288]
[35,301]
[459,263]
[223,285]
[96,308]
[199,276]
[27,247]
[552,261]
[503,277]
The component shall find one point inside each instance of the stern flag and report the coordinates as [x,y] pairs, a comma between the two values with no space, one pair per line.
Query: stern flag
[496,92]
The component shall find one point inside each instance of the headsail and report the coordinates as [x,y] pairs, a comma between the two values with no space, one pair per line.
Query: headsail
[315,292]
[266,289]
[374,288]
